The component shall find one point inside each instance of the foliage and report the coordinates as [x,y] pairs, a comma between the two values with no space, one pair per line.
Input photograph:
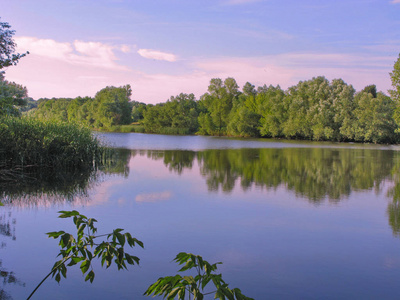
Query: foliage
[374,117]
[110,107]
[395,77]
[138,109]
[83,248]
[8,57]
[218,103]
[180,286]
[395,92]
[12,96]
[177,116]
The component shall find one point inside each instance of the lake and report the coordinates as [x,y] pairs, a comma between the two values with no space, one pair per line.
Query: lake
[288,219]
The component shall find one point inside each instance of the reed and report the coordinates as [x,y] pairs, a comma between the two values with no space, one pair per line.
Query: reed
[125,128]
[174,130]
[27,143]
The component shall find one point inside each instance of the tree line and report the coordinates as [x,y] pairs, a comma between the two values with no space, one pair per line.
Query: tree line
[315,109]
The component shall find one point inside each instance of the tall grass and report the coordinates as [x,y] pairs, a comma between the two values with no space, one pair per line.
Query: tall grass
[31,143]
[174,130]
[126,128]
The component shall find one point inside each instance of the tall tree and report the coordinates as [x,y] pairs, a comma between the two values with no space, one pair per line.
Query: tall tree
[218,103]
[343,110]
[8,57]
[395,92]
[11,93]
[12,96]
[272,109]
[374,117]
[113,105]
[395,76]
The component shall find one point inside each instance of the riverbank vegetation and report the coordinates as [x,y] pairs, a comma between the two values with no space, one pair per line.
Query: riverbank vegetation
[29,145]
[315,109]
[32,144]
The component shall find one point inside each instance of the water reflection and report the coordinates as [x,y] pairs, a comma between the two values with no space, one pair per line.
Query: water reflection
[50,187]
[317,174]
[314,173]
[139,178]
[7,229]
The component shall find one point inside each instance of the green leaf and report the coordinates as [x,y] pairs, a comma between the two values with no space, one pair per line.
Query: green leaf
[81,228]
[90,276]
[58,278]
[85,266]
[120,237]
[138,242]
[68,214]
[55,234]
[173,293]
[129,259]
[63,270]
[89,254]
[75,260]
[66,239]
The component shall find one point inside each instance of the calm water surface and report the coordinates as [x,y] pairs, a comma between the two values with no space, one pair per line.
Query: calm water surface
[288,220]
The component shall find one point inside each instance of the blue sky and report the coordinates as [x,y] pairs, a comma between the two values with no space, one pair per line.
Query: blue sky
[165,47]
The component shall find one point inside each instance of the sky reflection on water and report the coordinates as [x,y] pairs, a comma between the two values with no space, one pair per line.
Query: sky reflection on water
[313,223]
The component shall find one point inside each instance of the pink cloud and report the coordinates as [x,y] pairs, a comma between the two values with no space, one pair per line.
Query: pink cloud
[157,55]
[55,69]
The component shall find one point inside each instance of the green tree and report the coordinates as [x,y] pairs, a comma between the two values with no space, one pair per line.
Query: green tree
[249,89]
[218,103]
[395,92]
[113,106]
[8,57]
[245,113]
[272,109]
[182,110]
[138,109]
[395,77]
[12,97]
[374,117]
[343,110]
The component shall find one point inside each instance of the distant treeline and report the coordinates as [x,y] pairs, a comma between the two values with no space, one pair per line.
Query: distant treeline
[315,109]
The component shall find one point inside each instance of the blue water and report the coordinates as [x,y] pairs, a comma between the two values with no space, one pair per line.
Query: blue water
[276,236]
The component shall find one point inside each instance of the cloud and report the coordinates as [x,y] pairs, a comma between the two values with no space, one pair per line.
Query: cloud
[157,55]
[55,69]
[93,54]
[125,48]
[153,197]
[395,1]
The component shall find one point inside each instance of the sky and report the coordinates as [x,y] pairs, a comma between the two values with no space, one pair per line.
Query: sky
[166,47]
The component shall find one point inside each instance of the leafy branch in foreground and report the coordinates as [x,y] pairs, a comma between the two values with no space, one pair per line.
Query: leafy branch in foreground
[83,249]
[194,287]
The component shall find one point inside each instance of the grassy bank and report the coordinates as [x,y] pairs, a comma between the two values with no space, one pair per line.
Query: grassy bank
[125,128]
[139,128]
[28,143]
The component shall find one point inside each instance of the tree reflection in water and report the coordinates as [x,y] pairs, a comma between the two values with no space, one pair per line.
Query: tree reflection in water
[316,174]
[7,229]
